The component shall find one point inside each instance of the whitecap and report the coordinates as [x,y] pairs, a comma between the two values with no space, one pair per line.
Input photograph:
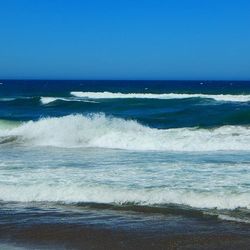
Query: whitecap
[118,95]
[106,132]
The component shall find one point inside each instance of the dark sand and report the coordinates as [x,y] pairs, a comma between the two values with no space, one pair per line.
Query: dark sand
[79,237]
[71,227]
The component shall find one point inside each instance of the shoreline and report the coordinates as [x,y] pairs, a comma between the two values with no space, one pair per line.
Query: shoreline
[49,237]
[71,228]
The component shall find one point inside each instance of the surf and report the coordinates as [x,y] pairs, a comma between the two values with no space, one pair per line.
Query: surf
[100,131]
[118,95]
[78,193]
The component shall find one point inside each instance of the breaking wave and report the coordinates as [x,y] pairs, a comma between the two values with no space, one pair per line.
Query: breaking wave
[106,132]
[77,193]
[48,100]
[108,95]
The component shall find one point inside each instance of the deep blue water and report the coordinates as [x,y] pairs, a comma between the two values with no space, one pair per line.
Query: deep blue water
[21,100]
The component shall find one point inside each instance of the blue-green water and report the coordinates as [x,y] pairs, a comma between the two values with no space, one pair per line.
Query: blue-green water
[179,148]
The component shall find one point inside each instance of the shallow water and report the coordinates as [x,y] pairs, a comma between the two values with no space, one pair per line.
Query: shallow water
[208,182]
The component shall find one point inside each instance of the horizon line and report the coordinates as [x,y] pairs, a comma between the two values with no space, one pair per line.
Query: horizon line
[159,80]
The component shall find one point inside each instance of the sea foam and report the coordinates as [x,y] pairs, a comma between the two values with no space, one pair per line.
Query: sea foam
[47,100]
[101,131]
[108,95]
[76,193]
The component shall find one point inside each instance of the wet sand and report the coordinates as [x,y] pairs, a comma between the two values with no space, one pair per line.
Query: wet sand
[79,237]
[72,227]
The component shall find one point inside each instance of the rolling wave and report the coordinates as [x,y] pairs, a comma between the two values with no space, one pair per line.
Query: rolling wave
[106,132]
[45,100]
[84,96]
[48,100]
[109,95]
[77,193]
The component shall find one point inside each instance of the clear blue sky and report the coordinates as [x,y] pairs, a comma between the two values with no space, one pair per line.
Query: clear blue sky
[129,39]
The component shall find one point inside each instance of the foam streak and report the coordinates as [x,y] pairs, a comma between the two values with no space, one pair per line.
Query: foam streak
[109,95]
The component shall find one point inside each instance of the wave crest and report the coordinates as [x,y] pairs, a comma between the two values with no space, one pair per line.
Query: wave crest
[48,100]
[106,132]
[107,195]
[118,95]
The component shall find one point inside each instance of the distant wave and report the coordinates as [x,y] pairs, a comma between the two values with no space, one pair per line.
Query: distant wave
[108,95]
[44,100]
[48,100]
[105,132]
[86,96]
[8,99]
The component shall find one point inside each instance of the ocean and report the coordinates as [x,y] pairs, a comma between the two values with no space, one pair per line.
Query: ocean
[124,164]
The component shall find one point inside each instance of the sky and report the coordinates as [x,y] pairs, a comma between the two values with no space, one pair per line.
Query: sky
[125,39]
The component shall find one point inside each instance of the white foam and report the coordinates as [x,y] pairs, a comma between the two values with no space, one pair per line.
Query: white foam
[108,95]
[47,100]
[74,193]
[105,132]
[230,218]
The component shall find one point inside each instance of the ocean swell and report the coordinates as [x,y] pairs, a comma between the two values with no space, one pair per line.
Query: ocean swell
[47,100]
[76,193]
[106,132]
[109,95]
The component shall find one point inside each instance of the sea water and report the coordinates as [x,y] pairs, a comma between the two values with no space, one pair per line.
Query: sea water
[150,146]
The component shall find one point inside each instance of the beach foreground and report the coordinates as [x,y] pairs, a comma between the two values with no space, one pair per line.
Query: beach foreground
[81,228]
